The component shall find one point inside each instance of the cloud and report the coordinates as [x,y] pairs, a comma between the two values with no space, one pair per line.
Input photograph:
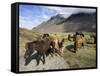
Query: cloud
[70,10]
[65,10]
[86,10]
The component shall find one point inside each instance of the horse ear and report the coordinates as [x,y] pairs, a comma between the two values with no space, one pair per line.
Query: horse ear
[63,40]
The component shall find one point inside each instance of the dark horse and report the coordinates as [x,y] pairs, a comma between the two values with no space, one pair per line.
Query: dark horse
[41,46]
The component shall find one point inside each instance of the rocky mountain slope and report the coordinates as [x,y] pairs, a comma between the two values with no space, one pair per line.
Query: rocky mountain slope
[76,22]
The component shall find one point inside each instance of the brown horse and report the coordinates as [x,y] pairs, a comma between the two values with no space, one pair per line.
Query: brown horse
[79,40]
[54,44]
[41,46]
[61,46]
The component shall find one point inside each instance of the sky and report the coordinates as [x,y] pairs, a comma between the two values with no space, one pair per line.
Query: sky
[32,15]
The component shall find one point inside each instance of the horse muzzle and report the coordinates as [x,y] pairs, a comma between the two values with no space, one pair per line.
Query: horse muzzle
[26,56]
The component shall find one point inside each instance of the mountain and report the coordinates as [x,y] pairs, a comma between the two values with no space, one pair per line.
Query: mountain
[76,22]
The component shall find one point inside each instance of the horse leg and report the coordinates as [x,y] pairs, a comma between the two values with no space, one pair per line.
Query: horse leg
[55,51]
[43,58]
[62,50]
[75,46]
[51,52]
[38,59]
[83,45]
[58,52]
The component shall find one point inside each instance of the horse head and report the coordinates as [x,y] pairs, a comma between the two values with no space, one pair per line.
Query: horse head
[29,50]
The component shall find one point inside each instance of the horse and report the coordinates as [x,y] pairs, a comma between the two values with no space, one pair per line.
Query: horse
[79,40]
[54,44]
[41,46]
[61,46]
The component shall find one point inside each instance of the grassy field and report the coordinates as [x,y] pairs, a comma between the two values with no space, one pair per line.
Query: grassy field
[84,57]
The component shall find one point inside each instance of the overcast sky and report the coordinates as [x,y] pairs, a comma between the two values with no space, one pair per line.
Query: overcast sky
[31,15]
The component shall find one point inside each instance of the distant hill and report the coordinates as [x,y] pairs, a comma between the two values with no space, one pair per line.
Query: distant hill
[28,35]
[25,36]
[76,22]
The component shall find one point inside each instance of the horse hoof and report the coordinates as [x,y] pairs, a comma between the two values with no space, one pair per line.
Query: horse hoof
[43,63]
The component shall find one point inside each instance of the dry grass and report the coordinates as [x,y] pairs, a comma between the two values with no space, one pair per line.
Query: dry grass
[24,37]
[84,57]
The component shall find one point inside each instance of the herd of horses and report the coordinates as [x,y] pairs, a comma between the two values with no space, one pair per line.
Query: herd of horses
[51,45]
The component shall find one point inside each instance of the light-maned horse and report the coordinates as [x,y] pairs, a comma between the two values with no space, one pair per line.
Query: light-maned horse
[79,40]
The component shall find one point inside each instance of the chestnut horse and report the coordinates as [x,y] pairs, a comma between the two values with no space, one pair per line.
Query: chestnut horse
[79,40]
[56,45]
